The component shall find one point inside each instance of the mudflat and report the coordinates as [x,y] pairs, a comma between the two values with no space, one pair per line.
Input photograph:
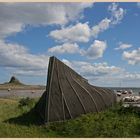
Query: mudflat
[21,93]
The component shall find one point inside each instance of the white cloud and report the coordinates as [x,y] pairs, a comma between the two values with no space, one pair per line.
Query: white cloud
[65,48]
[77,33]
[8,28]
[96,50]
[95,69]
[94,72]
[132,76]
[117,13]
[16,56]
[29,72]
[123,46]
[133,57]
[13,19]
[81,32]
[102,26]
[102,74]
[14,16]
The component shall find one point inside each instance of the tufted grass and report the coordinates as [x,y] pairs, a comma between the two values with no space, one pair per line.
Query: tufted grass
[19,121]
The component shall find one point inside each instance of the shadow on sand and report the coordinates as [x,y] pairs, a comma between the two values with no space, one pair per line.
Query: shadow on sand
[29,118]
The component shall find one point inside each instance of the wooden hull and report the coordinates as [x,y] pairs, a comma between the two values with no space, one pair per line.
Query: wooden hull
[69,95]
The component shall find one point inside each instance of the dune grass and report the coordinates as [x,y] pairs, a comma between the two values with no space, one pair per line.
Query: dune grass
[17,121]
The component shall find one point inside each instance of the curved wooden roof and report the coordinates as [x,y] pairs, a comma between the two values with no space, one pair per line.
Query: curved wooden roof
[69,95]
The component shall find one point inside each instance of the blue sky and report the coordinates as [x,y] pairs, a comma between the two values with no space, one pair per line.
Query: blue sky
[98,40]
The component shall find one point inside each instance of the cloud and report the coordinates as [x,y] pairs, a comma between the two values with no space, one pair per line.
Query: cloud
[102,26]
[15,16]
[8,28]
[65,48]
[96,50]
[77,33]
[29,72]
[103,74]
[123,46]
[16,56]
[132,76]
[81,32]
[96,69]
[117,13]
[93,71]
[133,57]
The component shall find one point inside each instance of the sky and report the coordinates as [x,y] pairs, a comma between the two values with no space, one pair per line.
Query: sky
[100,41]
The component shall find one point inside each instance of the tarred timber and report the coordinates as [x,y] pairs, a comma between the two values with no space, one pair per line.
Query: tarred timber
[68,95]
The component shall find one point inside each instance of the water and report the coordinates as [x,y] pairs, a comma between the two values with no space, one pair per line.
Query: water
[21,93]
[38,93]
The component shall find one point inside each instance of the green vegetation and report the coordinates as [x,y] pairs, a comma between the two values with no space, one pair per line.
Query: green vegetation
[17,121]
[29,102]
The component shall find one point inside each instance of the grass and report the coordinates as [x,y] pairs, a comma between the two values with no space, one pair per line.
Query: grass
[17,121]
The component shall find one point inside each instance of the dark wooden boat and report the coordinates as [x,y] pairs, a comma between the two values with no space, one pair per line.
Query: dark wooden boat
[69,95]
